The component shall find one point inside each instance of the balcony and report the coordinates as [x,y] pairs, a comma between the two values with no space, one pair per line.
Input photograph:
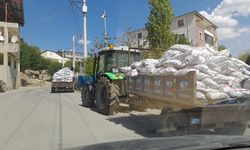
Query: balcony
[11,48]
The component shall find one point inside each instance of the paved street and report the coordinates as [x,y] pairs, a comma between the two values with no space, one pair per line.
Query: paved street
[33,119]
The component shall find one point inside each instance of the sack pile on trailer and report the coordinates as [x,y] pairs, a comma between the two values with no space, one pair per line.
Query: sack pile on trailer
[219,76]
[63,75]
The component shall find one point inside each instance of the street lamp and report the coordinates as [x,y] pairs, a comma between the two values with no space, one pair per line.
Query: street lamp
[104,18]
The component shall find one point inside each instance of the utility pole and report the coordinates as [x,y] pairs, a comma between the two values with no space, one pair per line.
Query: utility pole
[74,52]
[63,55]
[85,48]
[104,18]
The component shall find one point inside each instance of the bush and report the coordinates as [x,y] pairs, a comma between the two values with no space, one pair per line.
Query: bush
[54,67]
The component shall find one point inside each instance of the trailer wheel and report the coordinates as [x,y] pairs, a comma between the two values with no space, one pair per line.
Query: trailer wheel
[173,123]
[234,130]
[87,96]
[53,89]
[107,97]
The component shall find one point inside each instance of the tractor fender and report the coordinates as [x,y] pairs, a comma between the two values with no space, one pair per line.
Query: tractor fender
[113,76]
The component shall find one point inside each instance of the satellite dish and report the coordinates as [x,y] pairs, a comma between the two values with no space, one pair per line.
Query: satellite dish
[14,39]
[1,38]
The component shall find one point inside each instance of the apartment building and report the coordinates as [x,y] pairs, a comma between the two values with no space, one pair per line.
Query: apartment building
[11,19]
[194,26]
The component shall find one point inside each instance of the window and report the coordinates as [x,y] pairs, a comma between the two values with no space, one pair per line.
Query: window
[123,59]
[1,58]
[180,23]
[111,61]
[209,39]
[139,35]
[101,63]
[15,64]
[9,60]
[181,36]
[201,36]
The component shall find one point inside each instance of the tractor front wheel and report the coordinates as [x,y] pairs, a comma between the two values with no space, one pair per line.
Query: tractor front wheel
[107,97]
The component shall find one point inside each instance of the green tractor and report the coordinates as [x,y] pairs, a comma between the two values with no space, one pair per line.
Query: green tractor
[108,86]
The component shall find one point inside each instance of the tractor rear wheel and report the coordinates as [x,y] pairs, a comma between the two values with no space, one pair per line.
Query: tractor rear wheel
[87,96]
[107,97]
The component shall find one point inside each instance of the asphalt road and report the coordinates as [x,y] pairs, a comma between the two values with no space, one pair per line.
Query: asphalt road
[35,119]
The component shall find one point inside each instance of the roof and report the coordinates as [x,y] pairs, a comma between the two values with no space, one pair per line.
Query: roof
[15,12]
[198,14]
[53,56]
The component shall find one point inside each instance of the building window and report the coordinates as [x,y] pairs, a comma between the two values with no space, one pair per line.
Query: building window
[15,64]
[139,35]
[209,39]
[1,58]
[9,60]
[201,36]
[180,23]
[181,36]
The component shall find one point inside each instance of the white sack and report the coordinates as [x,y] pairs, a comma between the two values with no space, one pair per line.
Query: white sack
[136,64]
[133,73]
[172,63]
[185,71]
[216,95]
[245,71]
[225,53]
[205,69]
[147,62]
[194,60]
[211,84]
[200,96]
[125,69]
[222,79]
[166,71]
[200,76]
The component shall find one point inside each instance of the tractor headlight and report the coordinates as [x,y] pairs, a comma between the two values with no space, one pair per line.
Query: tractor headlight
[115,70]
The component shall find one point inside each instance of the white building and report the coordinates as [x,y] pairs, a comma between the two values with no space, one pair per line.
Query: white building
[194,26]
[69,55]
[10,42]
[53,56]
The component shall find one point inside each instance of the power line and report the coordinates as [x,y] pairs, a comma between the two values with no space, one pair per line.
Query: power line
[74,16]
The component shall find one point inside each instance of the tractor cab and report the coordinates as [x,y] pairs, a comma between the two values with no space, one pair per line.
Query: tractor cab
[111,59]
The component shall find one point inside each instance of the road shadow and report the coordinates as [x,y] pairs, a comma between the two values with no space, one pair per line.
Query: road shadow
[62,91]
[144,125]
[150,126]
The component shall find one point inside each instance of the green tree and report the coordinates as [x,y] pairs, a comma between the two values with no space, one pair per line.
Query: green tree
[221,47]
[160,36]
[181,40]
[31,58]
[244,57]
[89,64]
[70,64]
[54,67]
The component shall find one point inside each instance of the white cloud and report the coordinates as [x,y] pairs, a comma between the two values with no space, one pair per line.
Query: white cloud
[224,17]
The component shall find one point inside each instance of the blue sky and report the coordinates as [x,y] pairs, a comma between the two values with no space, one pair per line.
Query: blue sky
[50,24]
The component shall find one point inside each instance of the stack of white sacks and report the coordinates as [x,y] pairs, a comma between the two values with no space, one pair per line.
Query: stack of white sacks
[218,75]
[63,75]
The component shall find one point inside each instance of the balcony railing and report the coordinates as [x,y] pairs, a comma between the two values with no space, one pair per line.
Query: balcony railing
[11,48]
